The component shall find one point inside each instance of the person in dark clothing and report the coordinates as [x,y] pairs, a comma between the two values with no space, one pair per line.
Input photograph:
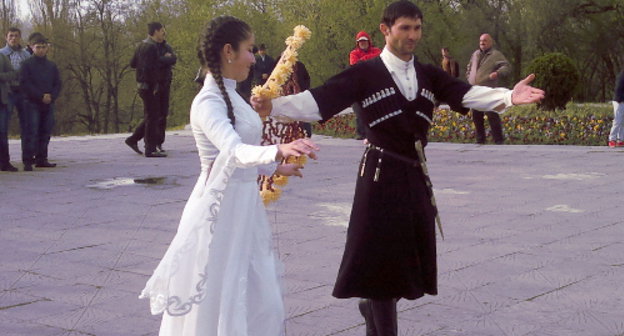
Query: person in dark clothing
[41,83]
[153,61]
[390,252]
[448,63]
[263,67]
[32,37]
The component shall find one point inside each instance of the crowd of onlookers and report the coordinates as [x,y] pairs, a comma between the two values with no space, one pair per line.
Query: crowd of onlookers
[30,84]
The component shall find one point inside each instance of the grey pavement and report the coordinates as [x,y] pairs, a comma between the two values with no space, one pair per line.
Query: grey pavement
[533,240]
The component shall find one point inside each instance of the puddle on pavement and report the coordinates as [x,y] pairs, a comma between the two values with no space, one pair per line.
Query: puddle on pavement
[151,180]
[126,181]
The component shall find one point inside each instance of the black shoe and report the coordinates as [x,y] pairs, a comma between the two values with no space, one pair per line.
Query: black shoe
[499,142]
[160,150]
[133,145]
[155,154]
[28,167]
[8,167]
[45,164]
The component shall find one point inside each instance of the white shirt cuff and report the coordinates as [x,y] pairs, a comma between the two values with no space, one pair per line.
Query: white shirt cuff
[300,107]
[485,98]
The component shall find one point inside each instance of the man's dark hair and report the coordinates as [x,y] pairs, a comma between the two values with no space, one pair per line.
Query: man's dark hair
[37,38]
[152,27]
[402,8]
[262,47]
[14,30]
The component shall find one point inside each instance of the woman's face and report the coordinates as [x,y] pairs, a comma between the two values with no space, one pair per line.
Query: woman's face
[243,59]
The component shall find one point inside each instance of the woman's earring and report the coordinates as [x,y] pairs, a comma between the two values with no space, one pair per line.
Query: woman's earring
[229,60]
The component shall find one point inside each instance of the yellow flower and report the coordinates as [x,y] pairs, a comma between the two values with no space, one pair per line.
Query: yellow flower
[280,180]
[269,196]
[303,32]
[273,89]
[298,160]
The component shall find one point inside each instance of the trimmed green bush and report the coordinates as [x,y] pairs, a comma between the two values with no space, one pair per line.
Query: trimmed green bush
[556,74]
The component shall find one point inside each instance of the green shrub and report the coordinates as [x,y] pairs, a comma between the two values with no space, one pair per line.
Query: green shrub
[556,74]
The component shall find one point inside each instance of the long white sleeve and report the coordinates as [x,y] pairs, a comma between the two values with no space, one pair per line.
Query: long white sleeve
[300,106]
[485,98]
[218,129]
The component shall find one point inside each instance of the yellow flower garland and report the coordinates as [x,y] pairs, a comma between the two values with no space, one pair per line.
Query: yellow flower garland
[282,71]
[273,89]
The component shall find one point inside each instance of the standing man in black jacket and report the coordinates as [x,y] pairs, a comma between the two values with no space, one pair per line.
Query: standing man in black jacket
[153,61]
[263,67]
[41,83]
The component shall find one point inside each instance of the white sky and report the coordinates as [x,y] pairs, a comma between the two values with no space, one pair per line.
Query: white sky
[22,7]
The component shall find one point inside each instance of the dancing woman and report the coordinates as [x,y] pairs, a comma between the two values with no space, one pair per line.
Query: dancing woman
[220,275]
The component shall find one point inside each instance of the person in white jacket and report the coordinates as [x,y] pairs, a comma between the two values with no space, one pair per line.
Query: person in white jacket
[220,276]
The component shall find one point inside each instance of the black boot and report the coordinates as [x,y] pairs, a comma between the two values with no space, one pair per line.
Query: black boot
[385,317]
[365,309]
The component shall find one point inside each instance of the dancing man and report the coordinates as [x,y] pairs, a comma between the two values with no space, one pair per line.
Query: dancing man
[390,251]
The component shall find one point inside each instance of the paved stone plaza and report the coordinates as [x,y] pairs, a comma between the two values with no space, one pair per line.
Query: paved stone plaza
[533,240]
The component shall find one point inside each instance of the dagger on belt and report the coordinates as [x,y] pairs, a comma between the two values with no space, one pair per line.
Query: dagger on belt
[423,166]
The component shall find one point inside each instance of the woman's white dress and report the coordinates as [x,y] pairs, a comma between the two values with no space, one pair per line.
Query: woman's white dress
[220,276]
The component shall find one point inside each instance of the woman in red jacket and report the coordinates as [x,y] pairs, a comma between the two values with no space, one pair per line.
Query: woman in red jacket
[364,49]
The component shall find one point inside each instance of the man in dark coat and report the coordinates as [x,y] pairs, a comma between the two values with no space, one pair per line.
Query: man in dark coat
[263,67]
[40,81]
[390,251]
[153,61]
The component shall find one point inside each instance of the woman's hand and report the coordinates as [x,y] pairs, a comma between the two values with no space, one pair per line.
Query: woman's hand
[289,169]
[262,105]
[297,148]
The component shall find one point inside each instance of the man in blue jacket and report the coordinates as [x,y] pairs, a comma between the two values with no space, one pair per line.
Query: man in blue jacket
[16,54]
[40,82]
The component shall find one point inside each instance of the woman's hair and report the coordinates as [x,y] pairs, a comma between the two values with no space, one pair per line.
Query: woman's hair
[218,32]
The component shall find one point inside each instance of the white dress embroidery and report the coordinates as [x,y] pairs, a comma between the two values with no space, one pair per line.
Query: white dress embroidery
[220,276]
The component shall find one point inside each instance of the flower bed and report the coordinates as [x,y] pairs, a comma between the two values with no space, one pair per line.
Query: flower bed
[577,125]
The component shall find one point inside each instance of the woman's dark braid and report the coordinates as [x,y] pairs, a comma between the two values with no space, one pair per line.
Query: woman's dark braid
[220,31]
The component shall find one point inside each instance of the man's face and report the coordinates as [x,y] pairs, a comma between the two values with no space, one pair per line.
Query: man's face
[13,39]
[363,44]
[40,49]
[445,53]
[402,38]
[159,35]
[262,52]
[485,42]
